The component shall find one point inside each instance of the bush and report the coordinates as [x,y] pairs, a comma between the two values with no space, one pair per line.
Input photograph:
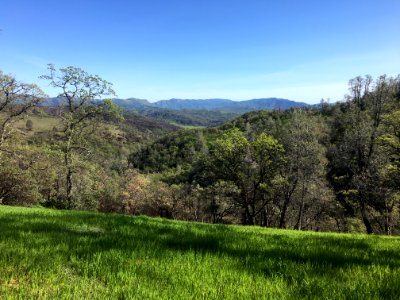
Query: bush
[17,187]
[29,125]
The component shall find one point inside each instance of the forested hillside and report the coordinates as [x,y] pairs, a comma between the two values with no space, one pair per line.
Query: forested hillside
[199,116]
[334,168]
[327,168]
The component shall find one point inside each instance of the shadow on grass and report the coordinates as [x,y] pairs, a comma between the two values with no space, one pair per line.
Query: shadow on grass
[269,254]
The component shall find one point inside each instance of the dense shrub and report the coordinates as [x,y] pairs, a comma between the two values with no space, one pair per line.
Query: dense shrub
[17,187]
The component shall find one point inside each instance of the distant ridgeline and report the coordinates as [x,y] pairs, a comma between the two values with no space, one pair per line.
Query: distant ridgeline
[196,112]
[202,104]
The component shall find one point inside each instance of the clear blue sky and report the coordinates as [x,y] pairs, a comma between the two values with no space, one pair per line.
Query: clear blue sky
[159,49]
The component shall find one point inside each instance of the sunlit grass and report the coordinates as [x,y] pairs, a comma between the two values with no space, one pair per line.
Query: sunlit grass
[65,255]
[44,123]
[187,126]
[39,123]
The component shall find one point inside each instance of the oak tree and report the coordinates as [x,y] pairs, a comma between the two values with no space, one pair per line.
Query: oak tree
[250,165]
[80,96]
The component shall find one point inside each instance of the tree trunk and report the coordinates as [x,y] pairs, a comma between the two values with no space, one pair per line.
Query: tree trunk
[282,223]
[248,216]
[69,184]
[365,219]
[264,217]
[388,219]
[251,216]
[287,197]
[213,211]
[69,174]
[69,188]
[300,216]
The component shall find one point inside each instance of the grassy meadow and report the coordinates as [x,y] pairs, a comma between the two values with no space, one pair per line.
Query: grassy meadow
[50,254]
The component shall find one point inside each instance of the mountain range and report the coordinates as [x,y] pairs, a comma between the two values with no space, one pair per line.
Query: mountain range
[226,105]
[194,112]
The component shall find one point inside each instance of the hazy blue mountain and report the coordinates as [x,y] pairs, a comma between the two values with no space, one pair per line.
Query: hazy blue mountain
[195,112]
[229,105]
[269,103]
[200,104]
[208,104]
[132,103]
[52,102]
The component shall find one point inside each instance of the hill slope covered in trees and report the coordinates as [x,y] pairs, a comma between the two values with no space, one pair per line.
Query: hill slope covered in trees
[331,168]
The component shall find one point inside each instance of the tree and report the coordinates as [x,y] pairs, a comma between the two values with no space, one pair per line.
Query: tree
[81,105]
[304,162]
[16,99]
[220,200]
[17,186]
[29,125]
[251,166]
[355,158]
[390,142]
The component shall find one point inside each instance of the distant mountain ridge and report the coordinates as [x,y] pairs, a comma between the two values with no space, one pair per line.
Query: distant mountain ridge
[207,104]
[201,104]
[194,112]
[228,105]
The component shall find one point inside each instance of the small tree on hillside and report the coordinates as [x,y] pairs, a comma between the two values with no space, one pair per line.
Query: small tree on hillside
[29,125]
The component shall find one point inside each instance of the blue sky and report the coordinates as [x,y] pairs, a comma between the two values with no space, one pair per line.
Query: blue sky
[159,49]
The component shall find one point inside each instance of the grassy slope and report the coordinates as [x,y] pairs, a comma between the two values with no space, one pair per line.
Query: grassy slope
[46,123]
[64,254]
[40,123]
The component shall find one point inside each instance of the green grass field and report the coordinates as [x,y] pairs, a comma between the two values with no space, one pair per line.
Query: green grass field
[186,126]
[40,123]
[46,123]
[49,254]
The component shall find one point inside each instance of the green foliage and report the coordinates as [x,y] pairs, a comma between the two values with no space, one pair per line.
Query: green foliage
[391,143]
[29,125]
[268,168]
[250,166]
[232,144]
[352,144]
[16,99]
[110,111]
[204,118]
[304,170]
[17,187]
[63,255]
[78,89]
[355,158]
[170,151]
[267,150]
